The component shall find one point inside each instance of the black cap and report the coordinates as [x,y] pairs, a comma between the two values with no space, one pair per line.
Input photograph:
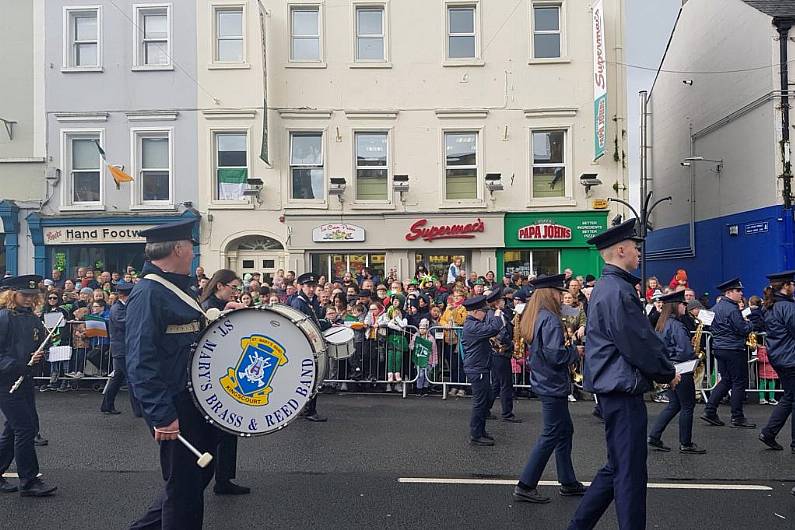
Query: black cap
[27,284]
[676,296]
[734,283]
[590,278]
[694,304]
[365,293]
[493,296]
[476,302]
[616,234]
[179,231]
[786,276]
[305,278]
[556,281]
[124,287]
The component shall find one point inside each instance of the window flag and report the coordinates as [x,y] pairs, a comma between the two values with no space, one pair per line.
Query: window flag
[117,172]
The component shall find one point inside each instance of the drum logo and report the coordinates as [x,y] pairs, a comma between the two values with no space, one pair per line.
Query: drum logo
[249,382]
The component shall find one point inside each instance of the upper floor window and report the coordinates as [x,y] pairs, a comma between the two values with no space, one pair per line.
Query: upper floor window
[153,36]
[547,42]
[82,32]
[461,165]
[305,34]
[372,166]
[83,168]
[307,172]
[370,31]
[461,32]
[549,163]
[231,165]
[229,35]
[153,164]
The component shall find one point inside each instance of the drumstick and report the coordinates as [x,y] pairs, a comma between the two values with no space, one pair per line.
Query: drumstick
[19,381]
[203,459]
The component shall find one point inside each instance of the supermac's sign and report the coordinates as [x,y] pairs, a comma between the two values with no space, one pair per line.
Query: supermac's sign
[81,235]
[544,232]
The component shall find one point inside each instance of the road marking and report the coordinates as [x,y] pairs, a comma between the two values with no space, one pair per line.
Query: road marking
[651,485]
[15,475]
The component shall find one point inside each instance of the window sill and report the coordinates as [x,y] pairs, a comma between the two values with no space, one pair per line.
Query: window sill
[306,65]
[148,68]
[553,60]
[83,208]
[169,207]
[372,206]
[228,66]
[462,205]
[232,205]
[308,205]
[552,202]
[81,69]
[463,62]
[376,65]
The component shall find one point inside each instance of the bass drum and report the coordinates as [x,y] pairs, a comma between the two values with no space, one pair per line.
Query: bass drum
[253,370]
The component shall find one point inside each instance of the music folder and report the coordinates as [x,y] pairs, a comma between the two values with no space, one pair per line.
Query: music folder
[686,367]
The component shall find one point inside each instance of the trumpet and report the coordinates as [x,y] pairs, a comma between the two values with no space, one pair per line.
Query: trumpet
[752,341]
[699,371]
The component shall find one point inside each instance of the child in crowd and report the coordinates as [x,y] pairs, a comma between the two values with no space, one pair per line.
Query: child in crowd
[355,319]
[80,346]
[370,354]
[395,343]
[767,376]
[423,352]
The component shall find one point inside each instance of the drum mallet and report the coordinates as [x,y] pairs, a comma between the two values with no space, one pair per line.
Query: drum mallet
[203,459]
[19,381]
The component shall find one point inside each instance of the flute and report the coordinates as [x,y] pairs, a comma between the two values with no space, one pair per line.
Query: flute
[19,381]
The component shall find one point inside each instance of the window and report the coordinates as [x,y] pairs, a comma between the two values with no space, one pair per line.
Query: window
[532,262]
[229,35]
[231,165]
[372,173]
[546,31]
[153,167]
[334,266]
[85,168]
[370,34]
[82,38]
[305,34]
[549,164]
[461,32]
[153,46]
[306,166]
[461,165]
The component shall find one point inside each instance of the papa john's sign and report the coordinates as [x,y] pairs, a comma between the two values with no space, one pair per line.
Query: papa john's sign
[544,232]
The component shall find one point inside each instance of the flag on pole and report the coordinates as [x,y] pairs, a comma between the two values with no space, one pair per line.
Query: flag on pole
[117,172]
[95,326]
[263,154]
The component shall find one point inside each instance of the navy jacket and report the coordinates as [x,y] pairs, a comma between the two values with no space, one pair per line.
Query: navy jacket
[116,327]
[475,341]
[157,362]
[678,345]
[213,301]
[311,308]
[780,340]
[21,332]
[729,329]
[549,358]
[623,353]
[505,336]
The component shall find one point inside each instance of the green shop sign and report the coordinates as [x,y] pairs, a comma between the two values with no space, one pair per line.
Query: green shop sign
[558,230]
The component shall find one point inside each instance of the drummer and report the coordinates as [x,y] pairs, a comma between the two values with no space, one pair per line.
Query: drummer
[306,302]
[161,326]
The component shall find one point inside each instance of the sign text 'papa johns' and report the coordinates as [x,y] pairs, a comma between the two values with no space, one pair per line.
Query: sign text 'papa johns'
[544,232]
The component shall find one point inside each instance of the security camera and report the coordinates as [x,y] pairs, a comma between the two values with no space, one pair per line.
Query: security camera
[688,82]
[684,164]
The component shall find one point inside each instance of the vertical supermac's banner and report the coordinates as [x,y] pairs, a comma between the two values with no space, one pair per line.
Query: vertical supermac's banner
[599,81]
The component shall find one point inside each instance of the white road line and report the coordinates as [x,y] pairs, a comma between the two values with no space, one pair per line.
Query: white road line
[14,475]
[651,485]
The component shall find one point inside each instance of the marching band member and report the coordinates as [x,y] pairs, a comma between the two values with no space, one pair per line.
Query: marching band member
[682,399]
[118,350]
[550,361]
[161,327]
[623,356]
[21,333]
[501,354]
[780,342]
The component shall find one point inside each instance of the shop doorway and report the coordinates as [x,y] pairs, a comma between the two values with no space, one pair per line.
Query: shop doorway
[260,254]
[533,262]
[438,262]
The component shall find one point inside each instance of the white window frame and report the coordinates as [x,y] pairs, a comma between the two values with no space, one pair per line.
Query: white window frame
[67,42]
[564,57]
[139,10]
[356,5]
[67,183]
[323,201]
[389,173]
[299,5]
[137,134]
[215,8]
[245,202]
[531,250]
[466,61]
[568,198]
[480,165]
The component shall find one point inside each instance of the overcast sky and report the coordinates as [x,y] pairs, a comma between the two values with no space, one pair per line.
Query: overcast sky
[648,26]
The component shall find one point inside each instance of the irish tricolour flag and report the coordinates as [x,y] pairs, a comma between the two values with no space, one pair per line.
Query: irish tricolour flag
[95,326]
[231,182]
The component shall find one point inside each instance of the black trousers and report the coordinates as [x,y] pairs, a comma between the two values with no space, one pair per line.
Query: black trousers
[21,426]
[226,460]
[181,503]
[733,369]
[502,384]
[481,399]
[118,379]
[785,405]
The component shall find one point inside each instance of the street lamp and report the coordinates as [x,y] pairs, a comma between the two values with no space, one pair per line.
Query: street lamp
[643,219]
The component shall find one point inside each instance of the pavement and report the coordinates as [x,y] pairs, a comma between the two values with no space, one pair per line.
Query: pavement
[386,462]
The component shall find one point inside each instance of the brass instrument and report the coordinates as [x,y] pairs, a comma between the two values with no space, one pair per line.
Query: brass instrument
[576,376]
[700,369]
[518,340]
[752,341]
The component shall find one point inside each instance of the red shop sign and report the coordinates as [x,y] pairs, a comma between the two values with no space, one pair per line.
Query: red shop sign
[544,232]
[460,231]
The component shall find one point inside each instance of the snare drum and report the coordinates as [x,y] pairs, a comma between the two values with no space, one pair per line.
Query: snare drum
[253,370]
[339,341]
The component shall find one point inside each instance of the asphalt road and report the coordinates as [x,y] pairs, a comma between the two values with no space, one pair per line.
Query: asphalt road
[346,473]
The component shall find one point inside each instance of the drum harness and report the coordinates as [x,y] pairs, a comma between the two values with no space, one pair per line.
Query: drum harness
[190,327]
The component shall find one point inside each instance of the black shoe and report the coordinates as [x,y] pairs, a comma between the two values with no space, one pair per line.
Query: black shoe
[657,445]
[712,419]
[692,449]
[315,417]
[523,495]
[573,490]
[37,488]
[111,412]
[39,441]
[487,436]
[770,441]
[742,423]
[7,487]
[230,488]
[491,416]
[483,441]
[512,419]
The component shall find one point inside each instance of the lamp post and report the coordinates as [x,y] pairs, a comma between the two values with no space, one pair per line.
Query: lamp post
[643,219]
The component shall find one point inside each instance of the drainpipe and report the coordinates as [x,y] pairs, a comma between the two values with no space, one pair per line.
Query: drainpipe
[783,26]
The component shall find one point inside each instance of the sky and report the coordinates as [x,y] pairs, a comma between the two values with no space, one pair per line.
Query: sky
[648,24]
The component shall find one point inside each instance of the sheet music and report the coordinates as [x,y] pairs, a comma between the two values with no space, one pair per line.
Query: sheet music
[686,367]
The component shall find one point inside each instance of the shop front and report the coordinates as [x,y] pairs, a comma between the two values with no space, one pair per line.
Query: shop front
[110,243]
[548,243]
[396,243]
[9,237]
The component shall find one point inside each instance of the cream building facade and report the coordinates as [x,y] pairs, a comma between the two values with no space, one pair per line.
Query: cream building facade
[392,125]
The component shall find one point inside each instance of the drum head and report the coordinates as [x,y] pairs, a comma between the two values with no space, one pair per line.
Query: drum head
[338,335]
[252,372]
